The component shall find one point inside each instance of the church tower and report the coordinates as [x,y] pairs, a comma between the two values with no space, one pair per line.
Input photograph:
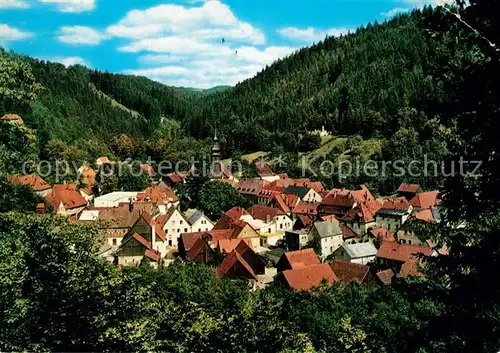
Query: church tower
[216,155]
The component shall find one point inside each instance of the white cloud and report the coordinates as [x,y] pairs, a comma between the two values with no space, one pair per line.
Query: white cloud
[216,68]
[68,60]
[80,35]
[8,33]
[14,4]
[198,46]
[71,5]
[394,11]
[211,20]
[310,34]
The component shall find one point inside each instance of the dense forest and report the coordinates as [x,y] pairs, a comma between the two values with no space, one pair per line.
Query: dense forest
[353,84]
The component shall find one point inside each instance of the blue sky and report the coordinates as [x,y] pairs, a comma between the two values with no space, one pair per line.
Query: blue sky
[179,42]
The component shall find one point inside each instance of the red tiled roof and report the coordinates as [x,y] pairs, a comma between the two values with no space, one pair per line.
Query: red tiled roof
[281,203]
[233,258]
[305,220]
[219,234]
[161,220]
[103,160]
[158,195]
[141,240]
[306,208]
[347,233]
[306,278]
[152,254]
[315,185]
[360,213]
[263,169]
[301,258]
[427,199]
[66,194]
[265,212]
[291,200]
[385,276]
[175,177]
[189,239]
[339,199]
[410,188]
[349,271]
[410,268]
[396,203]
[34,182]
[362,195]
[401,252]
[228,245]
[236,212]
[250,186]
[424,215]
[331,218]
[12,117]
[382,234]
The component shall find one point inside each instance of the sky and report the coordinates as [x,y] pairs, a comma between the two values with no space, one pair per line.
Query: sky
[184,43]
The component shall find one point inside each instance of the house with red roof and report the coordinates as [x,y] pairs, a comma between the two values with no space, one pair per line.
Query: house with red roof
[337,202]
[307,278]
[242,262]
[425,200]
[13,119]
[172,179]
[403,259]
[393,213]
[278,220]
[251,188]
[34,182]
[297,259]
[385,277]
[409,233]
[348,272]
[379,235]
[144,241]
[304,208]
[173,223]
[409,191]
[304,193]
[66,200]
[195,247]
[104,161]
[362,217]
[164,198]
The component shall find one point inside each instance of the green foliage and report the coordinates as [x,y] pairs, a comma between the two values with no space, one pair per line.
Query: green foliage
[217,197]
[132,178]
[16,198]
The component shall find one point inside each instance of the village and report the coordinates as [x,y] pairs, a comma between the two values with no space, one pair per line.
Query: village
[296,232]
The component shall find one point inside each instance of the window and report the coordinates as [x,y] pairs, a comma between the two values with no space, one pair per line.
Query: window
[170,243]
[178,230]
[199,230]
[173,223]
[181,222]
[269,230]
[114,241]
[281,226]
[185,230]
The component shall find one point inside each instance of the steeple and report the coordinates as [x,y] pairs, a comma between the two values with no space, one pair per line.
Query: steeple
[216,156]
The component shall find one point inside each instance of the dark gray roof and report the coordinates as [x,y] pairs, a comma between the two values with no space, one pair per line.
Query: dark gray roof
[391,212]
[194,217]
[328,229]
[300,191]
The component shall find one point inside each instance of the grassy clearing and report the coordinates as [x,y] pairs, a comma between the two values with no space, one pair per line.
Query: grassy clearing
[114,103]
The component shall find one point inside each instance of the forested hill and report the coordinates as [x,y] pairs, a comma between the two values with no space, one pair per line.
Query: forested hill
[352,84]
[78,103]
[355,84]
